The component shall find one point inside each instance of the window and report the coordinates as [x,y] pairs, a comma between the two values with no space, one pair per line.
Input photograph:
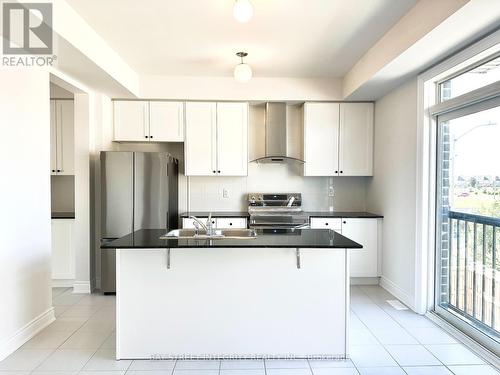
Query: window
[458,181]
[477,77]
[468,216]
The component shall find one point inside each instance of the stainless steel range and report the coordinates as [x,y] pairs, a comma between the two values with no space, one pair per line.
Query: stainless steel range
[276,211]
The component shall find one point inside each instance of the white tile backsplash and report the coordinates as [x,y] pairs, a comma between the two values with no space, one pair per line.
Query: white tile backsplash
[206,193]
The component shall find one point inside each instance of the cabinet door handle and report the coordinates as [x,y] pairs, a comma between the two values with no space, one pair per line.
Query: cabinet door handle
[213,171]
[218,171]
[341,171]
[344,222]
[145,136]
[336,172]
[326,223]
[230,223]
[53,170]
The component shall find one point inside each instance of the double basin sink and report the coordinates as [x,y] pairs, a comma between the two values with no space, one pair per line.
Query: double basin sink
[219,234]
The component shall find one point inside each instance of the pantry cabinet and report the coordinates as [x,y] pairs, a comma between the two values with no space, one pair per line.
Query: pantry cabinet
[216,141]
[364,263]
[62,149]
[148,121]
[338,139]
[63,254]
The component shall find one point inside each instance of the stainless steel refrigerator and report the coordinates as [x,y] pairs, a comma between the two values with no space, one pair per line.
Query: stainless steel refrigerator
[139,190]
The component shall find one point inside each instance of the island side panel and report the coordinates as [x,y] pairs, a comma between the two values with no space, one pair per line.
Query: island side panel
[221,302]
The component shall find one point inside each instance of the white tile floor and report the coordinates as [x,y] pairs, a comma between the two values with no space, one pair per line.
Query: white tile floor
[383,341]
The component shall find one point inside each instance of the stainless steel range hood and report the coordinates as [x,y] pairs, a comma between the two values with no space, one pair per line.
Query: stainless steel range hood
[277,136]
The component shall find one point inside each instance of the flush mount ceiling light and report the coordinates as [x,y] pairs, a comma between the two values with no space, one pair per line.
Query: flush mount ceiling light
[242,71]
[243,10]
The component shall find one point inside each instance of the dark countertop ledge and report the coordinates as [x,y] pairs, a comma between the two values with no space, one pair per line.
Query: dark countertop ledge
[215,214]
[344,214]
[305,238]
[332,214]
[63,215]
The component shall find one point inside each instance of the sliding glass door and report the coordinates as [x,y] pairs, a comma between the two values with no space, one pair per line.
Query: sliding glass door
[468,220]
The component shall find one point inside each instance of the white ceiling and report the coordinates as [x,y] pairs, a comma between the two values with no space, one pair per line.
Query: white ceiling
[285,38]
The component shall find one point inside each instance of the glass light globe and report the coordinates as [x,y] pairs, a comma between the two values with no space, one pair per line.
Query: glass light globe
[243,10]
[242,72]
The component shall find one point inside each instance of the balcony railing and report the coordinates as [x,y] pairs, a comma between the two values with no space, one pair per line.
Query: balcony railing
[473,285]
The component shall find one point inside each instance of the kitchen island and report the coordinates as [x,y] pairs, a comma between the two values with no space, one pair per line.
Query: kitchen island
[278,295]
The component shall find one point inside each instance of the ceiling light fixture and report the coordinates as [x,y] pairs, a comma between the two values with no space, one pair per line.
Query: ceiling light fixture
[242,71]
[243,10]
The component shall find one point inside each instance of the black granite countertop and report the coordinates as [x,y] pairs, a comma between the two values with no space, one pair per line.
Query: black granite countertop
[343,214]
[63,215]
[302,238]
[334,214]
[215,214]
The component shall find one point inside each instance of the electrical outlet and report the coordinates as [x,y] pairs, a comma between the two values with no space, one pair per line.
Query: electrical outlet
[331,191]
[225,193]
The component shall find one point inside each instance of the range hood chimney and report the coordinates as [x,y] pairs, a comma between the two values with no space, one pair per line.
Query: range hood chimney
[276,135]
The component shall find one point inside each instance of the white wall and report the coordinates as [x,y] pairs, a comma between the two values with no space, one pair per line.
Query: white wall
[25,239]
[83,148]
[57,92]
[226,88]
[392,190]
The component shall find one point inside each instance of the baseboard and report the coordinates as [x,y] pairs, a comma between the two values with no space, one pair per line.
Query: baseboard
[25,333]
[397,292]
[81,287]
[466,340]
[365,281]
[62,283]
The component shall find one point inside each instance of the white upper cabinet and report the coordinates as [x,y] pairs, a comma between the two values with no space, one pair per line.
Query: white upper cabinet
[321,131]
[143,121]
[131,120]
[232,139]
[216,139]
[166,121]
[338,139]
[62,158]
[356,139]
[200,146]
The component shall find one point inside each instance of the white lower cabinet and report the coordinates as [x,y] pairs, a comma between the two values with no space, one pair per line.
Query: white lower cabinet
[220,222]
[326,223]
[364,262]
[63,254]
[233,222]
[365,231]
